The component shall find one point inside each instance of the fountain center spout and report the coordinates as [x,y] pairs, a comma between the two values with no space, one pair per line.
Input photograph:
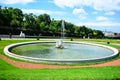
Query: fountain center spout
[59,44]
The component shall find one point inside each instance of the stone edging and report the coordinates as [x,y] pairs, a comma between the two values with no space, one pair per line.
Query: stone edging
[7,52]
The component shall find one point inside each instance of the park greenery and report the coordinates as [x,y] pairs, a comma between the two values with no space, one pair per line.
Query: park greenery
[13,20]
[10,72]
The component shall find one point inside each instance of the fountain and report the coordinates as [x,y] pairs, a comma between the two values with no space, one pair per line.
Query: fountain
[74,52]
[59,43]
[45,51]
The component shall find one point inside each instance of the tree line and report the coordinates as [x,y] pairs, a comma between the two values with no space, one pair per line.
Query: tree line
[12,20]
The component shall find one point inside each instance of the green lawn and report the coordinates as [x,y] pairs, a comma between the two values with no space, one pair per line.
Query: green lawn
[9,72]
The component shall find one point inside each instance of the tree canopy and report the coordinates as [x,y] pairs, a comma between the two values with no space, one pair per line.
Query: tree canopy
[13,20]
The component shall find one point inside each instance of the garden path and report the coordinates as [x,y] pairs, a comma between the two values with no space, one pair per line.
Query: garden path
[20,64]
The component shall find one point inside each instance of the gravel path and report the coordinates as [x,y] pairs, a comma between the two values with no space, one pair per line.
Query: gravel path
[35,65]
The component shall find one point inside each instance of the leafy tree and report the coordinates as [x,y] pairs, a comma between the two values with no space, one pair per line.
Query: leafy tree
[44,22]
[15,23]
[14,19]
[98,34]
[6,16]
[58,26]
[80,31]
[44,18]
[90,33]
[17,18]
[53,26]
[30,21]
[42,26]
[1,16]
[70,29]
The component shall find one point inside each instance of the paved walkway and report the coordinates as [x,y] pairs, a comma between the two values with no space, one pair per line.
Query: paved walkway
[35,65]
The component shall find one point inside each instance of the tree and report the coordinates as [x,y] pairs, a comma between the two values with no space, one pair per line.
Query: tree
[81,31]
[70,29]
[52,26]
[14,19]
[90,33]
[44,18]
[1,16]
[15,23]
[44,22]
[42,26]
[98,34]
[6,16]
[30,21]
[17,18]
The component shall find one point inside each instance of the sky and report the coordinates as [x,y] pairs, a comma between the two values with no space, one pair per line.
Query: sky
[96,14]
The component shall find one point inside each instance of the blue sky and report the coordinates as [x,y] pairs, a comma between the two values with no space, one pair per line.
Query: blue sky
[96,14]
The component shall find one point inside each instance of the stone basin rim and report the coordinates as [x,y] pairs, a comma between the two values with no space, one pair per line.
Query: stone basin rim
[32,59]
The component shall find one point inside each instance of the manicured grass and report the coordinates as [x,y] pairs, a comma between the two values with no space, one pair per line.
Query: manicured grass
[9,72]
[99,40]
[103,73]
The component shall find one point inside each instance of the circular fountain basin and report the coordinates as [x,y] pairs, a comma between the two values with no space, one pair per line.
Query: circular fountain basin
[73,52]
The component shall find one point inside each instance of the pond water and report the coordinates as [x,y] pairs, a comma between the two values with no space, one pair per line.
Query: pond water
[70,51]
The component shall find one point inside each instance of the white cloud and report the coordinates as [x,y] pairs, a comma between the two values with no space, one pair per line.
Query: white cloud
[37,11]
[106,5]
[66,20]
[66,3]
[109,26]
[110,13]
[72,3]
[16,1]
[80,12]
[104,24]
[102,18]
